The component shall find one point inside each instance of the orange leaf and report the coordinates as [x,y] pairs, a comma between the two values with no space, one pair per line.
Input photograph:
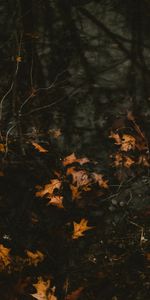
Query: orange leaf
[128,142]
[35,257]
[49,188]
[2,148]
[72,159]
[79,228]
[99,179]
[39,148]
[79,178]
[18,59]
[55,133]
[5,259]
[43,290]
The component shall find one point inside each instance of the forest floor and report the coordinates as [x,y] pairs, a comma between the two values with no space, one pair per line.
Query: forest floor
[74,227]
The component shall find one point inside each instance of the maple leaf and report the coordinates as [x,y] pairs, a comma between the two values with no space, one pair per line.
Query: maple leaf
[121,160]
[34,257]
[43,290]
[79,228]
[99,179]
[5,259]
[39,148]
[72,159]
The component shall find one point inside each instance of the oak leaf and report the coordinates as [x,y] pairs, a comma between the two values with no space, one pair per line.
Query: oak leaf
[72,159]
[5,259]
[98,178]
[34,257]
[39,148]
[43,290]
[49,192]
[79,228]
[79,177]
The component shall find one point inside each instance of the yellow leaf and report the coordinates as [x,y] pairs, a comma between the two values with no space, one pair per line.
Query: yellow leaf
[43,290]
[35,257]
[39,148]
[79,228]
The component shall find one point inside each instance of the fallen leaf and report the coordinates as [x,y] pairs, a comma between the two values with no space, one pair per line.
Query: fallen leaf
[79,177]
[34,257]
[56,133]
[43,290]
[76,194]
[79,228]
[98,178]
[72,159]
[49,192]
[49,188]
[18,59]
[143,160]
[2,148]
[116,137]
[128,142]
[75,294]
[56,201]
[39,148]
[5,259]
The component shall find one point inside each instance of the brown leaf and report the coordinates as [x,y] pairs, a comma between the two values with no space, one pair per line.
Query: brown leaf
[72,159]
[34,257]
[39,148]
[75,294]
[2,148]
[98,178]
[79,228]
[56,133]
[5,259]
[79,178]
